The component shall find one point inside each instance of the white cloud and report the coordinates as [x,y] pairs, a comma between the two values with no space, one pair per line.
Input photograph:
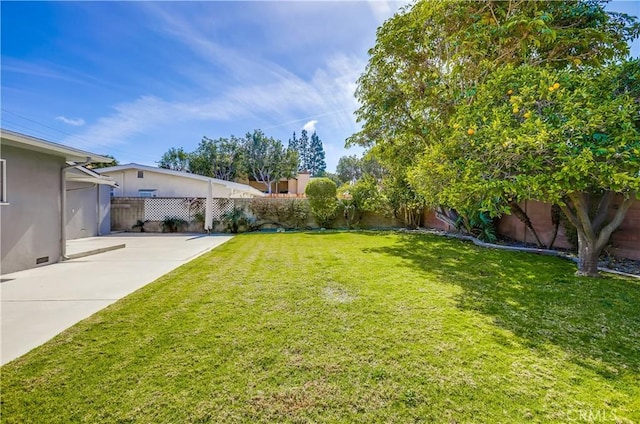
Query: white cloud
[273,97]
[310,126]
[384,9]
[77,122]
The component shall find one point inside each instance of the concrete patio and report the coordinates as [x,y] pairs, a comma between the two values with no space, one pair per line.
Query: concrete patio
[39,303]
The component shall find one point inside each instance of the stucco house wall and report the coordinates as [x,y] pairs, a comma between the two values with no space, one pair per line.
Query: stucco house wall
[31,213]
[88,210]
[135,180]
[30,222]
[165,185]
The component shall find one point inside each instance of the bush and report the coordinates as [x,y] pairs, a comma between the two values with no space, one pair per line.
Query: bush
[290,213]
[361,196]
[236,219]
[322,200]
[172,224]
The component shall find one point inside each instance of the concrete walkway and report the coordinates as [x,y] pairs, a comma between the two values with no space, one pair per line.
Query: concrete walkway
[39,303]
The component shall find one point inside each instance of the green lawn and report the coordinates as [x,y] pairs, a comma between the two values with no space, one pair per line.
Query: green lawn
[346,327]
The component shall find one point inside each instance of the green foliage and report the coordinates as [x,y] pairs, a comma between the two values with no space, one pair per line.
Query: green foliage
[289,213]
[323,203]
[334,177]
[311,156]
[403,201]
[361,196]
[175,159]
[221,158]
[352,168]
[436,107]
[236,220]
[539,142]
[267,160]
[316,163]
[97,165]
[139,225]
[172,224]
[478,224]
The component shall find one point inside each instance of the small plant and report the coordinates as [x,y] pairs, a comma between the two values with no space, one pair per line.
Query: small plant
[171,224]
[234,220]
[139,225]
[478,224]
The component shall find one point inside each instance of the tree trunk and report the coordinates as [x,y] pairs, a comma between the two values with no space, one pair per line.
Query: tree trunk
[588,254]
[593,234]
[555,220]
[524,218]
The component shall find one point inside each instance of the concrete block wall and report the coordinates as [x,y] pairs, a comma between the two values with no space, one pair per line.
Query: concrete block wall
[625,241]
[125,212]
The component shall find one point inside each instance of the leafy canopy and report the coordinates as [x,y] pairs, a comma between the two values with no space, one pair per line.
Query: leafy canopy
[538,133]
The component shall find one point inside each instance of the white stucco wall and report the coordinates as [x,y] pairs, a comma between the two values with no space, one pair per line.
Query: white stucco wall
[166,185]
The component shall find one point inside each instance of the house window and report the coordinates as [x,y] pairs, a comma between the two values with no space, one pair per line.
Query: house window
[140,174]
[147,193]
[3,181]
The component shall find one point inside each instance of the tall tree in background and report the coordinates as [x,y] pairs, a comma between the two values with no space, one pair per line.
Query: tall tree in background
[352,168]
[294,144]
[175,159]
[221,158]
[267,160]
[315,157]
[303,151]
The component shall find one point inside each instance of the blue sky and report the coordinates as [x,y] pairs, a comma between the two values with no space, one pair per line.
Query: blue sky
[133,79]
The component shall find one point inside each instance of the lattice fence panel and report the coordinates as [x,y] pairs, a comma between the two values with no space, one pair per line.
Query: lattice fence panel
[221,206]
[159,208]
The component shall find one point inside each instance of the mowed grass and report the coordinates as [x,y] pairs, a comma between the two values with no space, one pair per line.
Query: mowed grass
[346,327]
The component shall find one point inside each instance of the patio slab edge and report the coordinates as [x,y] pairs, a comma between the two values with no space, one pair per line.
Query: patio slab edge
[96,251]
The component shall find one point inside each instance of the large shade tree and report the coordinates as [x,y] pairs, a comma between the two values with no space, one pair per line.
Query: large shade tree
[567,137]
[430,59]
[267,160]
[221,158]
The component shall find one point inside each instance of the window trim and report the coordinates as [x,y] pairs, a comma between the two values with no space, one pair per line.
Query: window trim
[150,192]
[3,182]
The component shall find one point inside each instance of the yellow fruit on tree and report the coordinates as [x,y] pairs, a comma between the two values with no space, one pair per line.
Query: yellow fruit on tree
[516,110]
[556,86]
[527,115]
[510,92]
[471,131]
[551,88]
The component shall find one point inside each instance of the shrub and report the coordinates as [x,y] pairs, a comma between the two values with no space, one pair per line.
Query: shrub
[322,200]
[236,219]
[171,224]
[291,213]
[361,196]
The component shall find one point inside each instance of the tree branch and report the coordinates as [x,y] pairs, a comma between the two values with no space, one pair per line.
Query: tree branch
[606,232]
[582,212]
[603,210]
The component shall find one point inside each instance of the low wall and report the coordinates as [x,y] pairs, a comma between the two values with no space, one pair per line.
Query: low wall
[625,241]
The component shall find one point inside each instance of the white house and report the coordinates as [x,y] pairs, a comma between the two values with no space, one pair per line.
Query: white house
[136,180]
[47,197]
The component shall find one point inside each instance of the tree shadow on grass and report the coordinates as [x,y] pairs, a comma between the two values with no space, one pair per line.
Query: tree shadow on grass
[538,298]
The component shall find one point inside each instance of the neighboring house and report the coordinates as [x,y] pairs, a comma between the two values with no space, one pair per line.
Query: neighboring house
[136,180]
[292,186]
[47,197]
